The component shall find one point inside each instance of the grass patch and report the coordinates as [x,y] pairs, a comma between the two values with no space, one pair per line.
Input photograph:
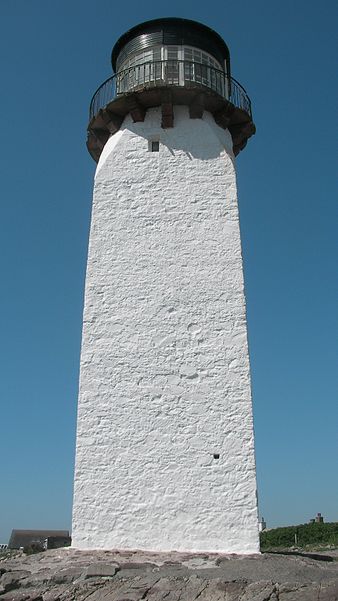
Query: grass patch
[304,536]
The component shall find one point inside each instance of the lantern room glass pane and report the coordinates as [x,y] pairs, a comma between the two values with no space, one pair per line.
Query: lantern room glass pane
[171,65]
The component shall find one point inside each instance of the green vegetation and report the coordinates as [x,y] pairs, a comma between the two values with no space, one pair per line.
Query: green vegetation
[35,547]
[303,536]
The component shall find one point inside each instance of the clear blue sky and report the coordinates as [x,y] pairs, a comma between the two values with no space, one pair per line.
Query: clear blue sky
[53,57]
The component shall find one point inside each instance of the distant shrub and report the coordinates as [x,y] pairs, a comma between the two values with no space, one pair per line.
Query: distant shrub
[306,534]
[35,547]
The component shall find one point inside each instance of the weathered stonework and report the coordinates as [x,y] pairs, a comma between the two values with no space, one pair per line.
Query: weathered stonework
[73,575]
[165,450]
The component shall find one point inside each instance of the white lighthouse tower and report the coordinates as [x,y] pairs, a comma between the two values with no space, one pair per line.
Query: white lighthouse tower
[165,445]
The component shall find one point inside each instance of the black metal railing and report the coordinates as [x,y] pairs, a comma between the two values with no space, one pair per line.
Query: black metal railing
[169,73]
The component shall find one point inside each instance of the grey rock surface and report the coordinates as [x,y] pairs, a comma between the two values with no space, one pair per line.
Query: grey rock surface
[71,575]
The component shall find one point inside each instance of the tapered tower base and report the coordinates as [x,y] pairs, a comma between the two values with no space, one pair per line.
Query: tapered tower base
[165,449]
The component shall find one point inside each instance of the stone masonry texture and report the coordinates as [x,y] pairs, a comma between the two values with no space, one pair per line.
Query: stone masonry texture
[73,575]
[165,449]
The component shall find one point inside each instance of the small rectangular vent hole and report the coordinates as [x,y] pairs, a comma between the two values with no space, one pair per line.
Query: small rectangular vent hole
[155,146]
[216,455]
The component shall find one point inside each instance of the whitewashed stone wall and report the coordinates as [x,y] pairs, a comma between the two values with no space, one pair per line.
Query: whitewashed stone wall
[165,381]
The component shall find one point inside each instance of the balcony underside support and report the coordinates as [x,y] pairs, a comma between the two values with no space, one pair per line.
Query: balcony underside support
[223,116]
[228,116]
[167,109]
[136,109]
[196,108]
[101,136]
[112,121]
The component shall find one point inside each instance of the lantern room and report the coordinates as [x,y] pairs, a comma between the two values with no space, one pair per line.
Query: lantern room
[168,62]
[171,51]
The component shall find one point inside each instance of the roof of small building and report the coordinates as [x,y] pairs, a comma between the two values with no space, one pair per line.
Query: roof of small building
[21,538]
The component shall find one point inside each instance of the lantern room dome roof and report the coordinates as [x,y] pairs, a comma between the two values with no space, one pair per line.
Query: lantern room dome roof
[170,31]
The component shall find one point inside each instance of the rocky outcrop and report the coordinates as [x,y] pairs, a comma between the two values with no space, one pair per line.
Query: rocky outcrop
[71,575]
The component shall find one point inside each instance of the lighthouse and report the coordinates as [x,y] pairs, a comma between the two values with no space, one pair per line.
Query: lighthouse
[165,445]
